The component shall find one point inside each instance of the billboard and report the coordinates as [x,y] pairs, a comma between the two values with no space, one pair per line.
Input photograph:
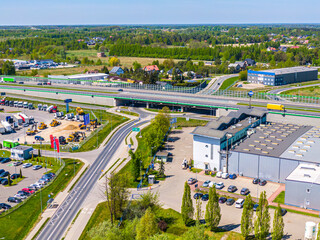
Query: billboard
[87,119]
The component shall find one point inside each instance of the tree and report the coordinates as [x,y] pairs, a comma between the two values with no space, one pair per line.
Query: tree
[243,75]
[187,206]
[278,225]
[99,62]
[262,222]
[136,65]
[9,180]
[168,63]
[213,214]
[246,219]
[114,61]
[198,210]
[21,173]
[196,233]
[161,169]
[39,153]
[147,226]
[34,72]
[105,70]
[135,164]
[117,195]
[8,68]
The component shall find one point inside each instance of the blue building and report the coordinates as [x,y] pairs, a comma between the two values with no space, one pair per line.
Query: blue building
[282,76]
[117,71]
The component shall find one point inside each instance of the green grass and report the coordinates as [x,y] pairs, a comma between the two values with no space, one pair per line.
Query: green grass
[280,198]
[227,83]
[131,141]
[17,224]
[5,153]
[182,122]
[306,91]
[196,170]
[78,179]
[99,215]
[130,113]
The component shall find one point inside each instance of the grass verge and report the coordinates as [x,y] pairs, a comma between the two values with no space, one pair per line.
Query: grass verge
[229,82]
[280,198]
[182,122]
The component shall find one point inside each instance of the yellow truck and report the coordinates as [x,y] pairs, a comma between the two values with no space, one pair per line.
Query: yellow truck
[278,107]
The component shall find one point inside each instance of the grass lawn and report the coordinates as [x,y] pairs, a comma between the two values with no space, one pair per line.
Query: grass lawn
[182,122]
[307,91]
[5,153]
[130,113]
[227,83]
[280,198]
[17,224]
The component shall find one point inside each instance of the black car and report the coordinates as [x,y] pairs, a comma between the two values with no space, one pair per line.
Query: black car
[262,182]
[256,181]
[15,176]
[21,82]
[2,171]
[244,191]
[23,193]
[222,200]
[205,197]
[197,195]
[120,90]
[39,83]
[232,188]
[283,211]
[14,200]
[255,206]
[5,160]
[230,201]
[5,206]
[11,103]
[4,181]
[4,174]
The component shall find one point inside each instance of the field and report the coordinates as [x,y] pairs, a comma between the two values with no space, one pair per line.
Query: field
[307,91]
[17,224]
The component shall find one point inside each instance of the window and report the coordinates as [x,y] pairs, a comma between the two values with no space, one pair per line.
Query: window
[308,190]
[206,155]
[206,166]
[206,146]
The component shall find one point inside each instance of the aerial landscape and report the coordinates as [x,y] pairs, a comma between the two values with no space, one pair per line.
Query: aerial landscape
[160,120]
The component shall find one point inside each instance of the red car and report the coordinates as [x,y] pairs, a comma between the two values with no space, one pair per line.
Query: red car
[27,190]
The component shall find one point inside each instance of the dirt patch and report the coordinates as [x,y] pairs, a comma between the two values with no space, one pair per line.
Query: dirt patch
[249,85]
[71,127]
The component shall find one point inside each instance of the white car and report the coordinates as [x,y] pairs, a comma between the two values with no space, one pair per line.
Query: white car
[211,184]
[239,203]
[20,196]
[225,175]
[219,174]
[220,185]
[38,184]
[27,165]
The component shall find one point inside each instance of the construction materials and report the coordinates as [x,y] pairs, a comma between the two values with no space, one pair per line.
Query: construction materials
[9,144]
[54,123]
[42,126]
[76,137]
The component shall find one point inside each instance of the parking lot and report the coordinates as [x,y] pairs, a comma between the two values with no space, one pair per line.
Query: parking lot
[30,176]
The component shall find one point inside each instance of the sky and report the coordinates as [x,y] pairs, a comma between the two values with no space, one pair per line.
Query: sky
[83,12]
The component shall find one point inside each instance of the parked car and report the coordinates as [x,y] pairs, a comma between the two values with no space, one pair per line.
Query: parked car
[21,82]
[5,206]
[230,201]
[233,176]
[262,182]
[27,165]
[255,206]
[283,211]
[4,174]
[24,193]
[244,191]
[17,163]
[211,184]
[197,195]
[2,170]
[219,174]
[232,188]
[120,90]
[15,176]
[205,197]
[5,160]
[21,196]
[192,181]
[206,183]
[38,184]
[39,83]
[222,200]
[27,190]
[220,185]
[256,181]
[4,181]
[33,187]
[225,175]
[37,167]
[14,200]
[38,138]
[239,203]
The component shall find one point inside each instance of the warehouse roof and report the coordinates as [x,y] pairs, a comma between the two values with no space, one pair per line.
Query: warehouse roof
[308,173]
[272,139]
[280,71]
[22,147]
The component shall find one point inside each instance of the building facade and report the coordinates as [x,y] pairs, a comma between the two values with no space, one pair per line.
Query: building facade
[282,76]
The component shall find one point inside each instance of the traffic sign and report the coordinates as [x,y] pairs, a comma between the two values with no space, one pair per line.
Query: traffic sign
[3,93]
[173,120]
[135,129]
[250,93]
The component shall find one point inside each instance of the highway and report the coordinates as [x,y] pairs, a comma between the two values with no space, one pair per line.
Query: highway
[66,212]
[212,88]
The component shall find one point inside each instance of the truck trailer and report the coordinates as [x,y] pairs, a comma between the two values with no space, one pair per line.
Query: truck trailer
[10,144]
[7,126]
[2,129]
[278,107]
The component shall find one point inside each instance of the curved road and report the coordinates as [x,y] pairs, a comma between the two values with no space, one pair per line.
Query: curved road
[213,87]
[63,216]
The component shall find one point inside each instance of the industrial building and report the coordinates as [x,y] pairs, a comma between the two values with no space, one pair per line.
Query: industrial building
[21,152]
[77,78]
[282,76]
[246,144]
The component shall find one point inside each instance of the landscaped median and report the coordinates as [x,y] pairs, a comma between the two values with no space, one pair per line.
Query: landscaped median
[17,223]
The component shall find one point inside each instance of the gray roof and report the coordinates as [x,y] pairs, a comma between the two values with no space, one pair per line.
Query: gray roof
[280,71]
[271,140]
[22,147]
[208,132]
[162,154]
[115,69]
[308,173]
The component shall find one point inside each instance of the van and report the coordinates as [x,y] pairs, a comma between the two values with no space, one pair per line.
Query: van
[20,104]
[25,104]
[239,203]
[15,103]
[219,174]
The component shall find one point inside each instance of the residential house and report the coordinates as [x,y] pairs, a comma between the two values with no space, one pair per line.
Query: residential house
[151,68]
[117,71]
[272,49]
[283,48]
[250,62]
[101,54]
[238,66]
[177,72]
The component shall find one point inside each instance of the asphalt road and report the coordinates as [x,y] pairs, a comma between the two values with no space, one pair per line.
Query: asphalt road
[280,90]
[216,84]
[60,221]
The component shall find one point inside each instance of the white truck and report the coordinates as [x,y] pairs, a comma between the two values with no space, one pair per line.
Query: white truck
[7,126]
[18,119]
[2,129]
[25,104]
[24,117]
[20,104]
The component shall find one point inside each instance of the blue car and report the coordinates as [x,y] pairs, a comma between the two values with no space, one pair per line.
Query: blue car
[5,160]
[233,176]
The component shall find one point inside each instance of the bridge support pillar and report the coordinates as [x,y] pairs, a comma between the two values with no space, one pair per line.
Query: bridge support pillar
[182,109]
[147,105]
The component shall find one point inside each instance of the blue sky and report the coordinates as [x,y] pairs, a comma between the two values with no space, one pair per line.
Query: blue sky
[68,12]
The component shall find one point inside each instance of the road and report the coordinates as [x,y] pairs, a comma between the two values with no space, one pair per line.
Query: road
[280,90]
[60,221]
[217,82]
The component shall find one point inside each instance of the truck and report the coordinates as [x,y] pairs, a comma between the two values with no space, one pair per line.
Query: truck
[44,107]
[278,107]
[20,104]
[24,117]
[2,129]
[2,102]
[18,119]
[69,116]
[15,103]
[8,79]
[10,144]
[58,115]
[7,126]
[52,109]
[39,106]
[25,104]
[30,106]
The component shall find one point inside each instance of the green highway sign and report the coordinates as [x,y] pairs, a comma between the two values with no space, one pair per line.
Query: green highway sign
[135,129]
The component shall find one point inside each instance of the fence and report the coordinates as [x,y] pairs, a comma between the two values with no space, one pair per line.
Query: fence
[26,200]
[103,84]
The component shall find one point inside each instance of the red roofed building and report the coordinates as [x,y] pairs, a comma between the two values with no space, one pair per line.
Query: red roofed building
[151,68]
[295,47]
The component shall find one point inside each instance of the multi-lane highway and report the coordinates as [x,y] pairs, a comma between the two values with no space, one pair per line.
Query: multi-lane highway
[60,221]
